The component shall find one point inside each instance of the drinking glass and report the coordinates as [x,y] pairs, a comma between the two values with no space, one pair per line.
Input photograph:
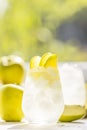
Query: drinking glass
[73,86]
[43,99]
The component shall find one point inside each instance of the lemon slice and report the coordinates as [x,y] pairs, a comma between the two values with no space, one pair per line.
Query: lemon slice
[48,60]
[34,63]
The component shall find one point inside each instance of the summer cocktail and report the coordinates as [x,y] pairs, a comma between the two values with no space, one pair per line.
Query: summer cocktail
[74,92]
[43,99]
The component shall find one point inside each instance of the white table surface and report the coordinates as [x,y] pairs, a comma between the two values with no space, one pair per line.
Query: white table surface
[77,125]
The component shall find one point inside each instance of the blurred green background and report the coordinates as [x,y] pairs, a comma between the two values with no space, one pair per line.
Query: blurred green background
[33,27]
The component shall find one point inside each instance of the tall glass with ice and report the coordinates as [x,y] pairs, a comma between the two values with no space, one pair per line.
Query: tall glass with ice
[74,92]
[43,99]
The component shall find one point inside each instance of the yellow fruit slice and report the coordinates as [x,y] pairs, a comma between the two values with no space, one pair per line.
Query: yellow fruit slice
[72,112]
[34,63]
[48,60]
[86,97]
[50,74]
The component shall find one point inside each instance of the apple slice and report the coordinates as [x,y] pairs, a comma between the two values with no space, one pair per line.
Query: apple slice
[72,112]
[12,69]
[11,102]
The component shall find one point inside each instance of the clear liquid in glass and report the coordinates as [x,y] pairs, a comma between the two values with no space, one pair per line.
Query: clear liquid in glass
[43,98]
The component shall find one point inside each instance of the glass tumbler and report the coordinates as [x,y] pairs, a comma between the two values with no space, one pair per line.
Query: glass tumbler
[43,99]
[73,86]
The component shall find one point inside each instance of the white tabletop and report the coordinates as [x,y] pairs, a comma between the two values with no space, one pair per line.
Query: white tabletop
[77,125]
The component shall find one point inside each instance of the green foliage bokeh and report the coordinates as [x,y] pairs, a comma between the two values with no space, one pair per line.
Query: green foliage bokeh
[27,28]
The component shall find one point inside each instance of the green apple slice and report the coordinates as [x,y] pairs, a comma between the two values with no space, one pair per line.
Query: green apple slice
[72,112]
[11,103]
[12,69]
